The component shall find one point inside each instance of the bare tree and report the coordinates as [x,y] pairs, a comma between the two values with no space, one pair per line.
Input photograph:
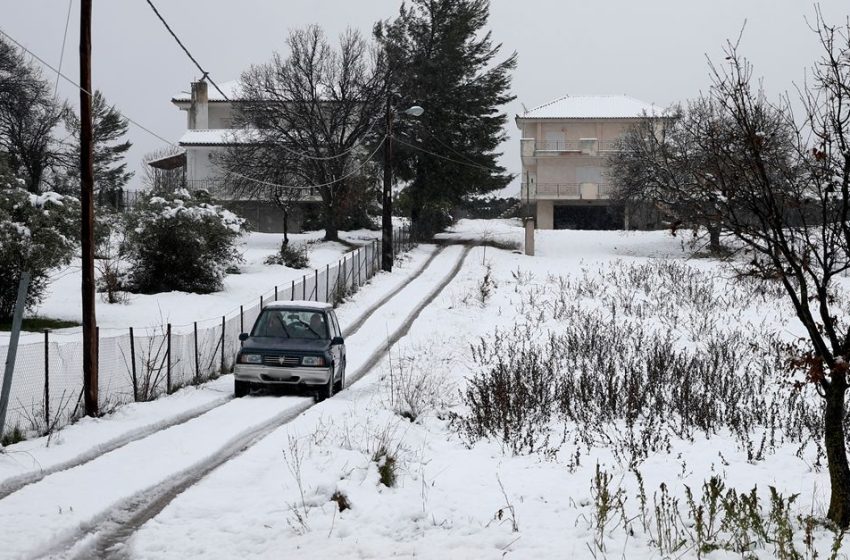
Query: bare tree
[28,116]
[781,188]
[253,171]
[311,112]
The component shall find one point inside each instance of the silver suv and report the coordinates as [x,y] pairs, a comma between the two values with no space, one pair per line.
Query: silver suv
[292,344]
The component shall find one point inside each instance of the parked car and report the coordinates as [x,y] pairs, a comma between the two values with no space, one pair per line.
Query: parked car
[292,344]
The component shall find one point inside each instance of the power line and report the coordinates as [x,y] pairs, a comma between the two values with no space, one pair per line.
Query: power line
[205,74]
[62,54]
[343,178]
[475,165]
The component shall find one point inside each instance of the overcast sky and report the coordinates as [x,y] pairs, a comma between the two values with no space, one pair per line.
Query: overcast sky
[650,49]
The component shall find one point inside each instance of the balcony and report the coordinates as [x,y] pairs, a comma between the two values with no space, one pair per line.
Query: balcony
[567,191]
[587,146]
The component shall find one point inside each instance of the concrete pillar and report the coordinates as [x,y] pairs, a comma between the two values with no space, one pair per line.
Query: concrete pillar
[545,214]
[199,111]
[529,236]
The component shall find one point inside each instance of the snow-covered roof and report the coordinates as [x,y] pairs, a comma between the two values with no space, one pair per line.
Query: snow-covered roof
[230,89]
[592,107]
[216,137]
[298,304]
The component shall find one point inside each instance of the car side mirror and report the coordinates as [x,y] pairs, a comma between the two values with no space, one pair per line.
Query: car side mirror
[243,336]
[337,340]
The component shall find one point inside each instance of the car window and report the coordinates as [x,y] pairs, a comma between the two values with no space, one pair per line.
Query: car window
[291,323]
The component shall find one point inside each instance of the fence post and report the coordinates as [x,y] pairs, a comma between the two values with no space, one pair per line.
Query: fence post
[292,291]
[133,366]
[197,358]
[241,320]
[304,287]
[222,338]
[168,359]
[327,283]
[316,282]
[261,303]
[359,263]
[275,293]
[46,380]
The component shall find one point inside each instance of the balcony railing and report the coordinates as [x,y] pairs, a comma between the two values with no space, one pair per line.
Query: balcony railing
[582,146]
[567,191]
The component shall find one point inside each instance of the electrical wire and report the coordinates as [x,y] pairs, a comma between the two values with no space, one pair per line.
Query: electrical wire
[172,144]
[343,178]
[475,165]
[205,74]
[62,54]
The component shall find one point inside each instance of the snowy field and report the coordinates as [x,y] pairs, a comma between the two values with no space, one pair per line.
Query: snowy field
[255,278]
[611,397]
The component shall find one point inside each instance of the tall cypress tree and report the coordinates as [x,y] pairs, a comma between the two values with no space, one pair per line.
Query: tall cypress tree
[440,56]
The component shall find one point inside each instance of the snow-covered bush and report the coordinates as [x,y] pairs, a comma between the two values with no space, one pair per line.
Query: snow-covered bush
[180,244]
[37,234]
[293,256]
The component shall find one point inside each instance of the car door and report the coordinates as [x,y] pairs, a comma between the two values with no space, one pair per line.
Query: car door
[336,350]
[340,348]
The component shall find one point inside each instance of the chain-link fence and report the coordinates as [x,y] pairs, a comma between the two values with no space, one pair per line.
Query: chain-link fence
[143,364]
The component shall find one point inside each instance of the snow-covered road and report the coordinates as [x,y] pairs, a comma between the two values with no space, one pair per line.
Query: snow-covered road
[96,504]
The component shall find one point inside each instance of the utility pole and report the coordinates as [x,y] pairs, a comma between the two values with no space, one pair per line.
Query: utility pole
[387,211]
[90,350]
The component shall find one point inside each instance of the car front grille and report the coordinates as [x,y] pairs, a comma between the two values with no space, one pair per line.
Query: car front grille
[281,361]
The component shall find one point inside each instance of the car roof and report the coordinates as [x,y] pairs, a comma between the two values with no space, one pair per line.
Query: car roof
[299,304]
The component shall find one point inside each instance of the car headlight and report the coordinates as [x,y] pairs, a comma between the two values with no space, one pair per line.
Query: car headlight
[312,361]
[251,359]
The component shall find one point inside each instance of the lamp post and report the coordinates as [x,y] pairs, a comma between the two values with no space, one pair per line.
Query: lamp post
[387,214]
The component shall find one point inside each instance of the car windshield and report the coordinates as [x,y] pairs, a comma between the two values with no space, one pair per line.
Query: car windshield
[291,323]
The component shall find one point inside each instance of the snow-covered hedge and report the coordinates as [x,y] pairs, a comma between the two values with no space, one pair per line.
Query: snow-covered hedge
[37,233]
[181,244]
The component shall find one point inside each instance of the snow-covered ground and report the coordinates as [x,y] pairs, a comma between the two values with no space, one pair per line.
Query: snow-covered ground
[597,488]
[255,278]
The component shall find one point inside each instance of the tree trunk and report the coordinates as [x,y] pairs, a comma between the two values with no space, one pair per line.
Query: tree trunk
[331,229]
[836,454]
[714,238]
[285,226]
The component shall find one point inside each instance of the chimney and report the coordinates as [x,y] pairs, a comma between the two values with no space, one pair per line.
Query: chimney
[199,117]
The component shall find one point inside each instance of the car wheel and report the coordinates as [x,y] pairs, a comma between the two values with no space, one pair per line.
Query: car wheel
[241,388]
[340,385]
[326,391]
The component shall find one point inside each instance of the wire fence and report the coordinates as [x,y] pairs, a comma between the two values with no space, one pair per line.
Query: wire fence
[143,364]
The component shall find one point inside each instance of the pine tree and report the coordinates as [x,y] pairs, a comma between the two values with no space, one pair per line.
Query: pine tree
[110,169]
[440,56]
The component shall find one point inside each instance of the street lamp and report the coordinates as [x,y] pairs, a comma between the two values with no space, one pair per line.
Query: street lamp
[387,215]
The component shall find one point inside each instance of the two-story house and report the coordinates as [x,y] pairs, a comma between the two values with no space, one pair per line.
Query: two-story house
[564,148]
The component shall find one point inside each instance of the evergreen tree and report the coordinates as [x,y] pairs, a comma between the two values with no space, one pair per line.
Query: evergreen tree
[110,169]
[440,56]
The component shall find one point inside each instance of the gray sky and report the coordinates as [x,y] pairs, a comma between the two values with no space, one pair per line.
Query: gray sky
[651,49]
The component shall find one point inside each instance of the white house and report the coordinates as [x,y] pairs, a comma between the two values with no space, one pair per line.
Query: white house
[209,129]
[564,145]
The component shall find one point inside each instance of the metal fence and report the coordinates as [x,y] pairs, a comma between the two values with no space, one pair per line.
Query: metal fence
[143,364]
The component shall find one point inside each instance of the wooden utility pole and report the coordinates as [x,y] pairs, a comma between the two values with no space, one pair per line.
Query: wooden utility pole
[87,200]
[387,211]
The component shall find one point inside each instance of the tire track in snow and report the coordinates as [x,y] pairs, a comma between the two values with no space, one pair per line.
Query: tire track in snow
[15,483]
[106,536]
